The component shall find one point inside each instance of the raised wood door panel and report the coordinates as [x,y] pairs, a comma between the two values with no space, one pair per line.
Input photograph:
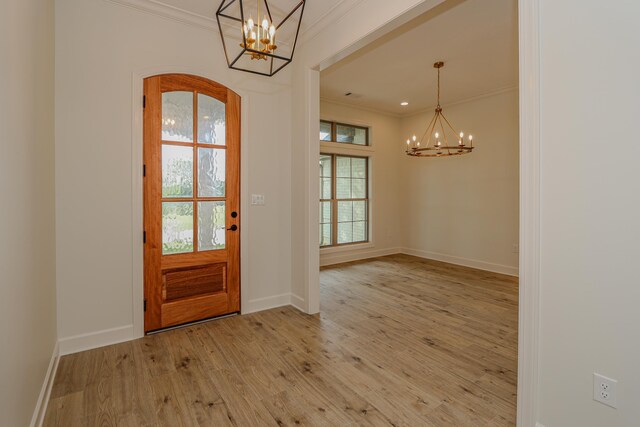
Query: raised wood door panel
[191,200]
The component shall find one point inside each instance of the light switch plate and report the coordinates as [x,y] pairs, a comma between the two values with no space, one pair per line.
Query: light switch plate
[257,199]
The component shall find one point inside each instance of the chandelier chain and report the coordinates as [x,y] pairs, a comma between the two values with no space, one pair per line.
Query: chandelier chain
[438,87]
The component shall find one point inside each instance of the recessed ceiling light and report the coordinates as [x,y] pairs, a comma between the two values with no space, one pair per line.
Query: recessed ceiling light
[404,103]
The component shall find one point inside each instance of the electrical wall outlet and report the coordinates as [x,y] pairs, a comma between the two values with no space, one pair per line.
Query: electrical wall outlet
[516,248]
[605,390]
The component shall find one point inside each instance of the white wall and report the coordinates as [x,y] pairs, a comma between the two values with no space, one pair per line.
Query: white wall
[386,212]
[27,238]
[103,49]
[590,206]
[465,209]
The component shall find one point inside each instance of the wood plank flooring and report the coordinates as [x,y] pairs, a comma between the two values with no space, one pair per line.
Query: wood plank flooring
[400,341]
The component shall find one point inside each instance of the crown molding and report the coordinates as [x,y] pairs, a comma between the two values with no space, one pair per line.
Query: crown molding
[164,10]
[360,107]
[338,10]
[184,16]
[422,110]
[484,95]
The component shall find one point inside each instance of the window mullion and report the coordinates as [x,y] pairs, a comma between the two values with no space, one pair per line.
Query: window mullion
[334,203]
[367,195]
[196,225]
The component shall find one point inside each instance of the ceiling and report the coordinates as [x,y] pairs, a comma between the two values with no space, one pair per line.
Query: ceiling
[477,40]
[314,10]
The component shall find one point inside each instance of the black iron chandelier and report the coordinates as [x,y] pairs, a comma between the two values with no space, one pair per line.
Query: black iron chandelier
[437,131]
[253,41]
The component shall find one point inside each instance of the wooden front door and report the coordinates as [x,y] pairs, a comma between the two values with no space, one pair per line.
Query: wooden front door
[191,200]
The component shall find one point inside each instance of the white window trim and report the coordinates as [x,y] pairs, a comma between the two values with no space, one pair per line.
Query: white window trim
[348,247]
[346,149]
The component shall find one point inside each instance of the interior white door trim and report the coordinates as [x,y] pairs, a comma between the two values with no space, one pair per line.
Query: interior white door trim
[529,315]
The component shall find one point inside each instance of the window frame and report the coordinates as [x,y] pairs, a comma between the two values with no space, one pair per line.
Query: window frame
[334,133]
[334,200]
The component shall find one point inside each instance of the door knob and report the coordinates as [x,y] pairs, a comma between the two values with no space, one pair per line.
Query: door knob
[233,227]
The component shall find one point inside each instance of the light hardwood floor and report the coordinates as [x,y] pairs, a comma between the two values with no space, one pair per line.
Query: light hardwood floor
[400,341]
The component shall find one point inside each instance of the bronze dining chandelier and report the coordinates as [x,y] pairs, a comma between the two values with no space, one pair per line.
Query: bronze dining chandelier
[252,40]
[440,135]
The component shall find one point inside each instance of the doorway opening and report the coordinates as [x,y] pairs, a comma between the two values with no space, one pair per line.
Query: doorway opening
[435,227]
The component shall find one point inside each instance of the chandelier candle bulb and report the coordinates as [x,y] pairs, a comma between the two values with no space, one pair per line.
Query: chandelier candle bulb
[272,37]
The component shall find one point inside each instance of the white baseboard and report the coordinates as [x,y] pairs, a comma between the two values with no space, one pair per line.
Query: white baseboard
[92,340]
[340,257]
[266,303]
[298,302]
[357,255]
[106,337]
[45,392]
[451,259]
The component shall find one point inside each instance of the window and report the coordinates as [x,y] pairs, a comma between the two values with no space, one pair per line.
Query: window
[346,134]
[326,131]
[344,200]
